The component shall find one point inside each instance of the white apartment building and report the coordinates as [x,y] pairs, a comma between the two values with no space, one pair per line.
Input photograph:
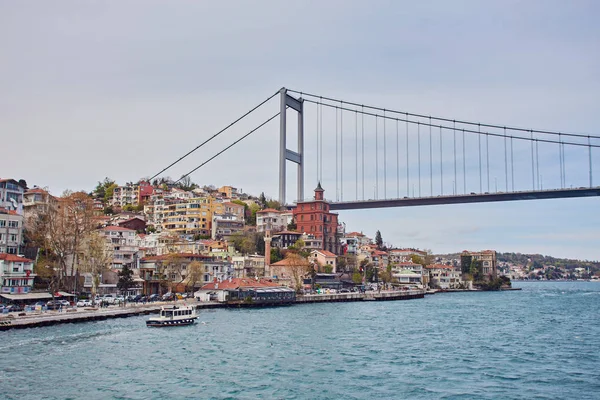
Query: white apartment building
[16,274]
[444,276]
[272,220]
[11,195]
[225,225]
[123,195]
[249,266]
[11,231]
[122,243]
[404,255]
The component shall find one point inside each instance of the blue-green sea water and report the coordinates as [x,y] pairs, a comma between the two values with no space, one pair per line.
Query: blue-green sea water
[542,342]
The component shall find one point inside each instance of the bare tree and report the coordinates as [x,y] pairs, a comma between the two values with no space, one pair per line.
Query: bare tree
[298,267]
[194,274]
[97,258]
[69,222]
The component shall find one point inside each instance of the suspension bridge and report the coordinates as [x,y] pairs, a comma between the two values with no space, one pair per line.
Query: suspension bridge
[383,157]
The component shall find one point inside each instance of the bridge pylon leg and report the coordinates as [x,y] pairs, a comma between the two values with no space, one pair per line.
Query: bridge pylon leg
[286,154]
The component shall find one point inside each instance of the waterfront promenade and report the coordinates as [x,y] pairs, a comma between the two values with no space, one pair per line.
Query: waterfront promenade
[31,319]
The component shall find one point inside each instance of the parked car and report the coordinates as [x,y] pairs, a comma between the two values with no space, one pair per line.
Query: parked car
[65,303]
[108,298]
[14,307]
[84,303]
[154,297]
[168,296]
[53,304]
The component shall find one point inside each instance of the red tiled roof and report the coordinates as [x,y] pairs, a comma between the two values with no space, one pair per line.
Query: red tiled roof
[236,283]
[354,234]
[326,253]
[14,258]
[267,210]
[117,228]
[36,190]
[439,266]
[286,233]
[288,261]
[183,255]
[131,219]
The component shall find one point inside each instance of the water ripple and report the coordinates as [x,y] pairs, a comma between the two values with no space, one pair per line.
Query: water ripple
[537,343]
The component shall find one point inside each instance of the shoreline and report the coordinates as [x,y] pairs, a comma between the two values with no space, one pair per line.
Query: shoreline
[88,314]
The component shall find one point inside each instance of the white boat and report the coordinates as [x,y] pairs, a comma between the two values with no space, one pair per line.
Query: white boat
[173,316]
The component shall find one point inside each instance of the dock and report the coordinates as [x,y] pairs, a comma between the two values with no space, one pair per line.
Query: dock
[367,296]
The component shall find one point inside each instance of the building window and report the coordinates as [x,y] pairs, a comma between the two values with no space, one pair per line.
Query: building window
[13,224]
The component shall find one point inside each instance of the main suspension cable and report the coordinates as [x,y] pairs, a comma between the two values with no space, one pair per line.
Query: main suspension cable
[215,135]
[228,147]
[447,119]
[474,131]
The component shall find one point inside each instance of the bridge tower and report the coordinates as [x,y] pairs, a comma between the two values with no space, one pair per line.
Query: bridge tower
[284,153]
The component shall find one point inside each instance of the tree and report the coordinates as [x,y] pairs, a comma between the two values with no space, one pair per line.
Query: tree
[476,270]
[253,209]
[245,243]
[276,255]
[428,258]
[465,263]
[125,279]
[195,271]
[96,258]
[69,222]
[292,225]
[298,267]
[262,200]
[367,268]
[386,276]
[357,277]
[378,240]
[297,246]
[185,183]
[109,191]
[100,190]
[417,259]
[274,204]
[173,265]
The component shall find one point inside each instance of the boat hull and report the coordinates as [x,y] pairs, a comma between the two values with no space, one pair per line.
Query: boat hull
[166,323]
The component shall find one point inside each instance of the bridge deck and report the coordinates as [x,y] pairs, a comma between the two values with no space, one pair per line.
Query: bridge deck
[469,198]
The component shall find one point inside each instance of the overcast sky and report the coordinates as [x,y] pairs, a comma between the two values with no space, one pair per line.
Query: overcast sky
[90,89]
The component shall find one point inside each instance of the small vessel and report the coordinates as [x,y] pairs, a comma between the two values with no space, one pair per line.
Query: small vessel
[173,316]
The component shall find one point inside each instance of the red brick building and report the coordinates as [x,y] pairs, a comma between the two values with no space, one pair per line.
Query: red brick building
[313,217]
